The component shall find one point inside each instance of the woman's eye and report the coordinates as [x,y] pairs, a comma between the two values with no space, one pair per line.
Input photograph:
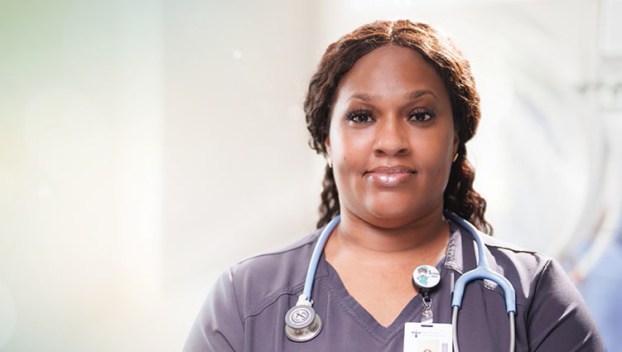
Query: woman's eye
[359,117]
[421,116]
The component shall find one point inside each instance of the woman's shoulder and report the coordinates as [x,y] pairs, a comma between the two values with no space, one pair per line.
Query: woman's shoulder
[279,260]
[530,271]
[554,311]
[263,278]
[510,253]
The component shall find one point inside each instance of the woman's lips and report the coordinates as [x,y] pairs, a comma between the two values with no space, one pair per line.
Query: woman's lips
[390,176]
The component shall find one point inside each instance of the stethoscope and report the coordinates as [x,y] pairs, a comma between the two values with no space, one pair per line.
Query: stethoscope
[303,324]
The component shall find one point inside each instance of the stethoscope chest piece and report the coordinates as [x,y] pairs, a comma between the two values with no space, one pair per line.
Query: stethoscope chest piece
[301,323]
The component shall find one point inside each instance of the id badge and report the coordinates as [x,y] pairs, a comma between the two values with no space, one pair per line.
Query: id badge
[420,337]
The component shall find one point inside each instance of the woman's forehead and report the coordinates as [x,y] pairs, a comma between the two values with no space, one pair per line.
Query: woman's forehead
[390,71]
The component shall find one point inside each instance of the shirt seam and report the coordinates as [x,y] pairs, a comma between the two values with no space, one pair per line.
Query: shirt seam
[311,239]
[270,301]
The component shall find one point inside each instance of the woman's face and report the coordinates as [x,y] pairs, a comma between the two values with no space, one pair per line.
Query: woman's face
[391,138]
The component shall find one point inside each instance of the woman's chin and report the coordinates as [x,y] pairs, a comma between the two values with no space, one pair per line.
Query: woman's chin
[394,214]
[390,219]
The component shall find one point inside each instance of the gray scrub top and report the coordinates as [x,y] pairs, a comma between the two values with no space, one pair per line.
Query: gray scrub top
[246,307]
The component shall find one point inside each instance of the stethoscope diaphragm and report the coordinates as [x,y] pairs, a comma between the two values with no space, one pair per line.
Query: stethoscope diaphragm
[301,322]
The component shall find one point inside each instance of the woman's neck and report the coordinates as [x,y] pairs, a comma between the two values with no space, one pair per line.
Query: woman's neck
[425,239]
[375,264]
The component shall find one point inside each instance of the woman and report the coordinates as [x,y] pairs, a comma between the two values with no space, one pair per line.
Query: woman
[391,108]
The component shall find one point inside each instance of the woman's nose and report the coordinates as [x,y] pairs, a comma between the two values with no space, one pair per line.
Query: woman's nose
[391,138]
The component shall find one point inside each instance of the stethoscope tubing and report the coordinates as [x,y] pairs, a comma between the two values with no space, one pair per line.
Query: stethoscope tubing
[315,257]
[482,271]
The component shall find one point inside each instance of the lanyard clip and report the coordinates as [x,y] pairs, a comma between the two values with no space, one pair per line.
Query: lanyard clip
[425,279]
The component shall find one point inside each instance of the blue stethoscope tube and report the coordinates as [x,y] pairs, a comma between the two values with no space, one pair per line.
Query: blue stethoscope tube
[482,271]
[302,324]
[315,257]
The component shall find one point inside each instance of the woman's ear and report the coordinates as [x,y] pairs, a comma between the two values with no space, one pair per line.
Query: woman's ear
[456,143]
[328,152]
[327,147]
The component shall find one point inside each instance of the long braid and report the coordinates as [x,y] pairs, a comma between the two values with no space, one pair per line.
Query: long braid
[329,207]
[461,198]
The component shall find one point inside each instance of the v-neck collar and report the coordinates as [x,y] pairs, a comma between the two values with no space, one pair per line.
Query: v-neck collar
[358,313]
[412,310]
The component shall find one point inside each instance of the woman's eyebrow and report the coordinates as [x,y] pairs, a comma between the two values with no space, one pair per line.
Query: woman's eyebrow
[419,93]
[361,96]
[413,95]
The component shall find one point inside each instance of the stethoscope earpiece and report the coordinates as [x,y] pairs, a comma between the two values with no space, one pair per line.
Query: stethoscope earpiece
[301,322]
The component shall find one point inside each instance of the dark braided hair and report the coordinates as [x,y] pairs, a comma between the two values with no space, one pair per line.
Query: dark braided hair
[451,66]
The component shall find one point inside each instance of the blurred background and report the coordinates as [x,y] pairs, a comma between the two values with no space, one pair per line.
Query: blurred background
[147,145]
